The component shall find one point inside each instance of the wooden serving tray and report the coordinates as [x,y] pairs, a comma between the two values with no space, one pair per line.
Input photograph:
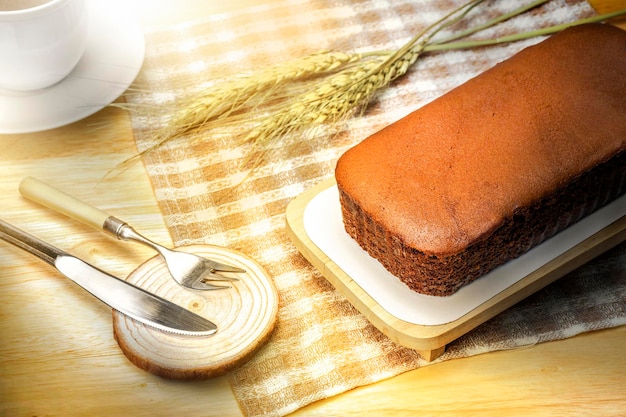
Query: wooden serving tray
[430,339]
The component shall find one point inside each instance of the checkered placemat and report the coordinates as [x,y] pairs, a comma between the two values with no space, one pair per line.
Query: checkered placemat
[321,345]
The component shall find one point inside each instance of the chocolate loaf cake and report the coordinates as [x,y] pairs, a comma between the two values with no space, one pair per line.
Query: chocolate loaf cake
[494,167]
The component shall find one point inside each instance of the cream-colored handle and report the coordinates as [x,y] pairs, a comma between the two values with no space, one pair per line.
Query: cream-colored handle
[50,197]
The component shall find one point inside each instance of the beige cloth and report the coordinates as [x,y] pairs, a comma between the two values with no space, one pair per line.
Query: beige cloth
[321,345]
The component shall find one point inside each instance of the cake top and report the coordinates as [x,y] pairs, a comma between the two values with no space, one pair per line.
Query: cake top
[449,173]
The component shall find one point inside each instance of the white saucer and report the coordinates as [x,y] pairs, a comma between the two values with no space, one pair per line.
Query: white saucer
[112,60]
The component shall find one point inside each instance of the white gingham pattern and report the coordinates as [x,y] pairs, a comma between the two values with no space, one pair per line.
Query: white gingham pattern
[322,346]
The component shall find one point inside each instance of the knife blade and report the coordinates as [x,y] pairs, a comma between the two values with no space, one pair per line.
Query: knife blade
[128,299]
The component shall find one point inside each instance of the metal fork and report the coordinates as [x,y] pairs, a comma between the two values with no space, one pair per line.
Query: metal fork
[187,269]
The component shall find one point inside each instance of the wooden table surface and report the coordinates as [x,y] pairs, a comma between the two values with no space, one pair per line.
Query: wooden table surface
[58,356]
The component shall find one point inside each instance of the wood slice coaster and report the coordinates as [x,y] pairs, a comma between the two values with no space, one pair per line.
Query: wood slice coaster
[245,315]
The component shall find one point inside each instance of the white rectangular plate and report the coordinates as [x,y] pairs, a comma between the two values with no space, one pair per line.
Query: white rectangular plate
[324,226]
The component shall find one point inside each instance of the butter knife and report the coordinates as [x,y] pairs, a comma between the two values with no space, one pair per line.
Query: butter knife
[118,294]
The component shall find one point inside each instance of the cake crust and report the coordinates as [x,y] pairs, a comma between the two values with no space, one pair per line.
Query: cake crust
[495,166]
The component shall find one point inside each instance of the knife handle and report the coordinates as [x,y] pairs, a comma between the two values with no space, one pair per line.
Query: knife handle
[57,200]
[29,243]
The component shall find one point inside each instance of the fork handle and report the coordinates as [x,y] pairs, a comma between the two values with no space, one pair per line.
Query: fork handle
[57,200]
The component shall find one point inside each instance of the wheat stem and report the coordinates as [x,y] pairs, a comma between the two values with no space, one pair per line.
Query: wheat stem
[521,36]
[499,19]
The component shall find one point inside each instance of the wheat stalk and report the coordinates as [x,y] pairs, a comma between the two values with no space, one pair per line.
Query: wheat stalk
[323,88]
[244,93]
[338,95]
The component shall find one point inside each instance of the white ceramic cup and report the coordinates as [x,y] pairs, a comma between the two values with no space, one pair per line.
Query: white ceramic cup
[41,41]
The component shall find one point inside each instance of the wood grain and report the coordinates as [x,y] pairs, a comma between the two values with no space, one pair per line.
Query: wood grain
[58,356]
[245,315]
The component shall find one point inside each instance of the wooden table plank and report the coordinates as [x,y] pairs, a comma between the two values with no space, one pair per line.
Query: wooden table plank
[46,369]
